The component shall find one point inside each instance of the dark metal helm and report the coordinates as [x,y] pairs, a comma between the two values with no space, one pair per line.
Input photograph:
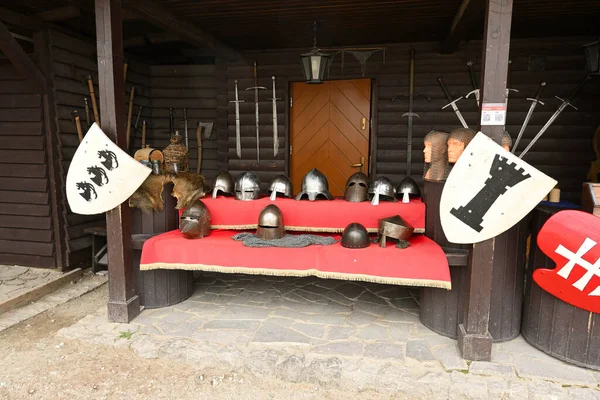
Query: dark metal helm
[355,236]
[406,188]
[382,188]
[223,183]
[394,227]
[270,223]
[314,185]
[356,187]
[194,222]
[247,186]
[281,184]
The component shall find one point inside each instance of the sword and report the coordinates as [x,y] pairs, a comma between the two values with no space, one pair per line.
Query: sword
[534,103]
[256,88]
[275,133]
[238,144]
[452,103]
[87,112]
[187,146]
[473,83]
[564,105]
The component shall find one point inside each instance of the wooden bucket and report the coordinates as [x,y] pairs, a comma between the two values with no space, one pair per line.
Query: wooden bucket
[148,154]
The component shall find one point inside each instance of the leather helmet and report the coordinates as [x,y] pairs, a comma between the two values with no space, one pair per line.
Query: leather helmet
[270,223]
[223,183]
[382,188]
[355,236]
[406,188]
[281,184]
[357,186]
[394,227]
[247,186]
[194,222]
[314,184]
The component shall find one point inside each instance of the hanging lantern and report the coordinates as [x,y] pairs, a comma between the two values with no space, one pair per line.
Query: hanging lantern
[592,56]
[315,63]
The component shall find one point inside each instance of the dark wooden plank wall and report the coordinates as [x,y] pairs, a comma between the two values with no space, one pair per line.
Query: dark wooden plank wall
[26,236]
[72,59]
[564,152]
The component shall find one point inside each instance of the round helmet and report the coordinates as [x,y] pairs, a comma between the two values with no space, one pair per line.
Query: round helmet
[355,236]
[406,188]
[194,222]
[382,188]
[314,184]
[247,186]
[270,223]
[223,183]
[356,187]
[281,184]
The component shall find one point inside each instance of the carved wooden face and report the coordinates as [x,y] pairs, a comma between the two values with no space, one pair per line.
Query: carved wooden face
[455,149]
[427,152]
[506,147]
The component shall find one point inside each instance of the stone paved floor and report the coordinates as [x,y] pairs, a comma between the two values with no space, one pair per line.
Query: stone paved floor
[16,280]
[350,334]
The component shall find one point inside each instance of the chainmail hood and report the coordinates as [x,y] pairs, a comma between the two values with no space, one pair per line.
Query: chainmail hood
[437,169]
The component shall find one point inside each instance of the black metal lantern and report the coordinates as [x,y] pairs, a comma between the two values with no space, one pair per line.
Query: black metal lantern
[592,56]
[315,63]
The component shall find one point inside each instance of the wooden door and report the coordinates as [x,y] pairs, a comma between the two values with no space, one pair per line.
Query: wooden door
[330,129]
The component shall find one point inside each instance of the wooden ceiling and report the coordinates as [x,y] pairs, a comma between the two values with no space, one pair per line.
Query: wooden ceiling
[271,24]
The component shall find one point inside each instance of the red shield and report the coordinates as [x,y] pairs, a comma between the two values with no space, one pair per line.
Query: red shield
[572,240]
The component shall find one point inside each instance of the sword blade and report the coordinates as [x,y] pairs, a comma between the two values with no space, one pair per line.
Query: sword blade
[527,118]
[238,144]
[546,126]
[275,128]
[257,126]
[460,117]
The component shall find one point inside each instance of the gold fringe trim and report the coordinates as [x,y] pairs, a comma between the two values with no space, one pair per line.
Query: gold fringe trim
[300,273]
[299,228]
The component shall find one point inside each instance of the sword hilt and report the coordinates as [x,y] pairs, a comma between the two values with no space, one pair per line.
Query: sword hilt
[256,87]
[535,101]
[452,102]
[476,92]
[567,102]
[410,114]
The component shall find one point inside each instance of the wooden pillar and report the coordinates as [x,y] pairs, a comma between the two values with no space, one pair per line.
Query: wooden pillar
[474,339]
[123,302]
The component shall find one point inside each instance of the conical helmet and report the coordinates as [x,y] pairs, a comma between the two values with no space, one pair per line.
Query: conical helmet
[270,223]
[194,222]
[281,184]
[314,185]
[406,188]
[357,187]
[355,236]
[223,184]
[247,186]
[382,188]
[395,228]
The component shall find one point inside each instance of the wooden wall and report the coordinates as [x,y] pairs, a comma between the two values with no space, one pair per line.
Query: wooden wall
[26,235]
[564,152]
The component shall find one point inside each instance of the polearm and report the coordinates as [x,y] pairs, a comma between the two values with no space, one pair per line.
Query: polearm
[534,103]
[564,105]
[256,88]
[452,103]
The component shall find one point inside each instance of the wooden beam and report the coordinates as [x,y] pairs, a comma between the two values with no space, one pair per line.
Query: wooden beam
[468,13]
[150,39]
[17,56]
[474,339]
[20,20]
[159,16]
[123,301]
[60,14]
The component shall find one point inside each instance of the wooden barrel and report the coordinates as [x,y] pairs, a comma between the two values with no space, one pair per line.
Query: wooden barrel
[148,154]
[551,325]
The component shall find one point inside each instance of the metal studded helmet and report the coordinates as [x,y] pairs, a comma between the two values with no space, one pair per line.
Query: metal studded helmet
[270,223]
[314,185]
[381,188]
[355,236]
[357,187]
[194,222]
[223,184]
[281,184]
[406,188]
[247,186]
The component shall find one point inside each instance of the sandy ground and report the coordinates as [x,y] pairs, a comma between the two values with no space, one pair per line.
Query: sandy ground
[35,364]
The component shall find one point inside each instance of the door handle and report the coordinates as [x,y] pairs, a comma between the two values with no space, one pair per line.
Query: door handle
[363,123]
[360,165]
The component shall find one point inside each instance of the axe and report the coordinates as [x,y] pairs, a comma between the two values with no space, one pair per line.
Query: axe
[75,118]
[130,114]
[207,126]
[87,79]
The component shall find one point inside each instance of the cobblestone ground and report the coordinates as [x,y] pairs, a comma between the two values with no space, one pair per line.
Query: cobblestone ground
[15,280]
[351,335]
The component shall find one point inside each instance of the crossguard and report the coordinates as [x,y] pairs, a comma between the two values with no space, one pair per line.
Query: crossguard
[567,102]
[237,101]
[512,90]
[410,114]
[536,101]
[452,102]
[256,87]
[275,98]
[476,91]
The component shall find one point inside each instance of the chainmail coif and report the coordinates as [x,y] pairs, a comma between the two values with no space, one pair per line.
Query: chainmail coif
[250,240]
[437,169]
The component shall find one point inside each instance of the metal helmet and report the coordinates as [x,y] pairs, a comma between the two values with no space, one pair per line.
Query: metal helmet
[194,222]
[270,223]
[381,188]
[355,236]
[394,227]
[247,186]
[406,188]
[223,183]
[357,186]
[281,184]
[314,184]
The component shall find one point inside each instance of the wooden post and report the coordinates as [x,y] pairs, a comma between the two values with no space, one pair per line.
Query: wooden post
[474,339]
[123,302]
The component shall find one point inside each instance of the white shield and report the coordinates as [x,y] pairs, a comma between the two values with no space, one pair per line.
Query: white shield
[101,175]
[488,191]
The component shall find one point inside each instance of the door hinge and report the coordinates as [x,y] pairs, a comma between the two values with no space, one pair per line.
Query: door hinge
[291,102]
[290,150]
